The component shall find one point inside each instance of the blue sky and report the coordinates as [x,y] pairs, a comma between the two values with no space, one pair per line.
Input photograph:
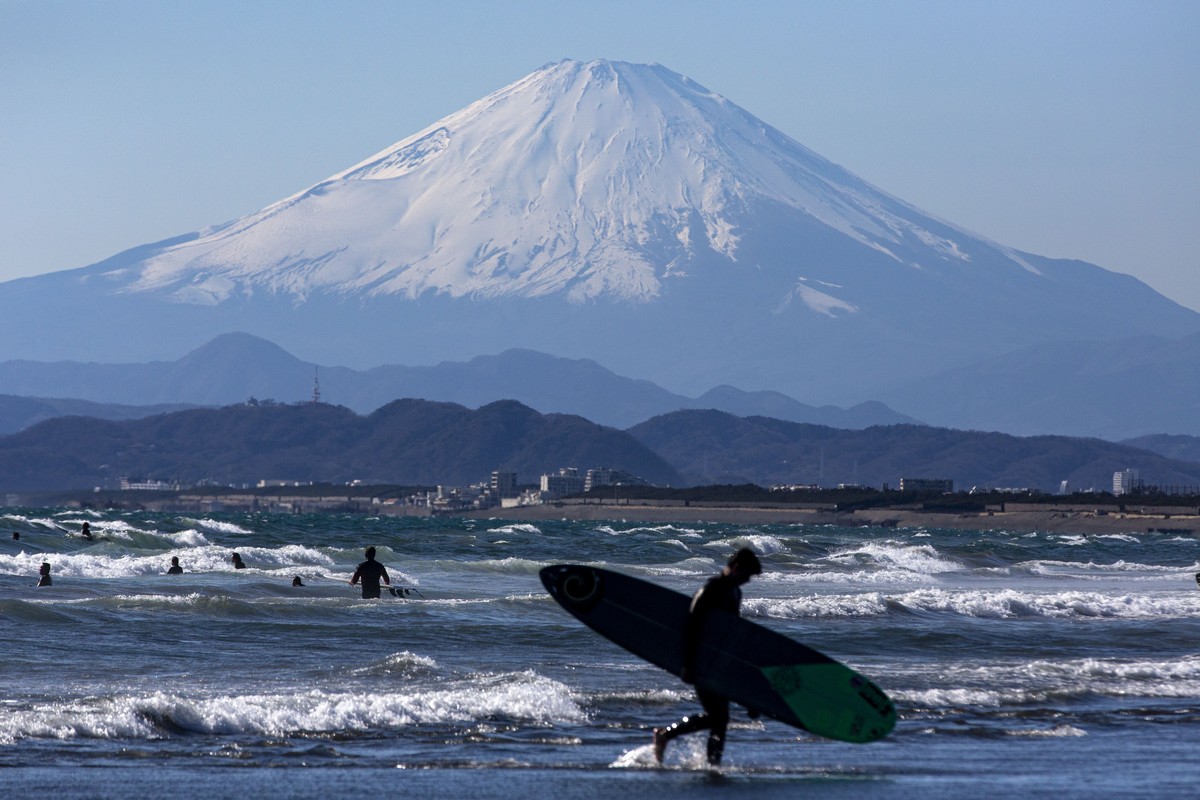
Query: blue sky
[1068,128]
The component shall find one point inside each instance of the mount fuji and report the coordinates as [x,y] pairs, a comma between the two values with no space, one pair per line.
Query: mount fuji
[603,210]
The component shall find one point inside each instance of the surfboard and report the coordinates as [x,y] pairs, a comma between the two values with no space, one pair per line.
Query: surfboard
[750,664]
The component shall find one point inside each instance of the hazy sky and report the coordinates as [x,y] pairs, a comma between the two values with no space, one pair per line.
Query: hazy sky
[1068,128]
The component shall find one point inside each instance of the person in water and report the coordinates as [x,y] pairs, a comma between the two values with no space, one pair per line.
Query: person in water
[175,568]
[45,573]
[86,532]
[370,571]
[720,592]
[297,582]
[237,561]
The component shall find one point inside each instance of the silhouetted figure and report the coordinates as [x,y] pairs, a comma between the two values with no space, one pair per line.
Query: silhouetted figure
[721,592]
[45,573]
[16,535]
[237,561]
[175,568]
[86,532]
[370,571]
[297,582]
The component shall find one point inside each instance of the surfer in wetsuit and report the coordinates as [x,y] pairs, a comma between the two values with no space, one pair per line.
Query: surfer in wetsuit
[237,561]
[721,592]
[175,569]
[86,532]
[370,571]
[44,580]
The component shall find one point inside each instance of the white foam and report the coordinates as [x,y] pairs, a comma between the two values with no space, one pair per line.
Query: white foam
[761,543]
[1055,732]
[524,696]
[922,559]
[220,526]
[521,527]
[1046,681]
[94,562]
[817,606]
[1011,603]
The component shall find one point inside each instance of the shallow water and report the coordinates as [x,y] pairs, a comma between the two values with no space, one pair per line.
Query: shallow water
[1037,665]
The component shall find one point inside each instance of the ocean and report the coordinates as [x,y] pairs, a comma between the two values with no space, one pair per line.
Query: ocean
[1021,664]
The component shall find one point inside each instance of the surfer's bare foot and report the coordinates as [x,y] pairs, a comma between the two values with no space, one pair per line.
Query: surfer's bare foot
[660,744]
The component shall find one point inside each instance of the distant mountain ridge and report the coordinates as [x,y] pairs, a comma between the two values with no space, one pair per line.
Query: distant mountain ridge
[1116,390]
[713,447]
[18,413]
[408,442]
[234,367]
[418,442]
[1180,448]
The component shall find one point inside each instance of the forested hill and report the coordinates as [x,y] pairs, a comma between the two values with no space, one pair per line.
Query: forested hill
[404,442]
[714,447]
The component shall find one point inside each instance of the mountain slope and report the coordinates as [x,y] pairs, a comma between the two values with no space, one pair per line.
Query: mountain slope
[601,210]
[713,447]
[1115,390]
[1180,448]
[18,413]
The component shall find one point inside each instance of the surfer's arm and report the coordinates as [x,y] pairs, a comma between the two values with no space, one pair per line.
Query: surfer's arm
[691,634]
[383,574]
[354,578]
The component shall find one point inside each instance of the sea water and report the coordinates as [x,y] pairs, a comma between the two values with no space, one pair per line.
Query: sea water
[1022,664]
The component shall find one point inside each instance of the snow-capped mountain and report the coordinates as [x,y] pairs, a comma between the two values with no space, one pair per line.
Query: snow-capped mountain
[595,180]
[604,210]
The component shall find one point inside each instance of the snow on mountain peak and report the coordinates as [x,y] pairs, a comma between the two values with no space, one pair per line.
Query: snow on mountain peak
[597,179]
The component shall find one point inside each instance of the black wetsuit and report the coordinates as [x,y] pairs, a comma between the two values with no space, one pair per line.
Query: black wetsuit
[370,572]
[724,593]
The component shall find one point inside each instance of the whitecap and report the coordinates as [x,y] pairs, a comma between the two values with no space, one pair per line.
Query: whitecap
[817,606]
[923,559]
[519,527]
[219,526]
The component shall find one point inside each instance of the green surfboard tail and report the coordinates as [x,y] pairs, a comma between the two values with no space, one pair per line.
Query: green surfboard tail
[816,693]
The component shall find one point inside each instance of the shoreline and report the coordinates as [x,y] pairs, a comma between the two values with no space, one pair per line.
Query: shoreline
[1048,520]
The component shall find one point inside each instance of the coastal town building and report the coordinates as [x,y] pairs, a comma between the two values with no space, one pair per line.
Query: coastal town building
[1126,482]
[504,484]
[566,481]
[598,477]
[138,484]
[926,485]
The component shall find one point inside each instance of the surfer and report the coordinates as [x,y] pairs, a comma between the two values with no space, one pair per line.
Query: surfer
[45,573]
[370,571]
[86,532]
[720,592]
[237,561]
[175,568]
[297,582]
